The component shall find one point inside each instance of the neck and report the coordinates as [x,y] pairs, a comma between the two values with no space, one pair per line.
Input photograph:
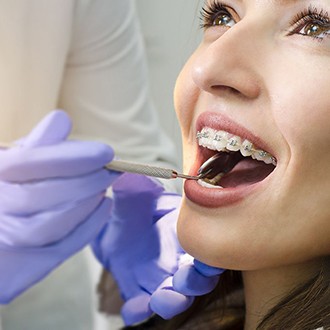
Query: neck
[265,288]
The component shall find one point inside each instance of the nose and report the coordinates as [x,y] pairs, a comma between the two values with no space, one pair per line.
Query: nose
[230,63]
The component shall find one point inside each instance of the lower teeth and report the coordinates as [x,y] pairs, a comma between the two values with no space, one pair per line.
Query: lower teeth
[207,185]
[215,180]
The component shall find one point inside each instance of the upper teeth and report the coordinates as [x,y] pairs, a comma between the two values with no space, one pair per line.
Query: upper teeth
[224,141]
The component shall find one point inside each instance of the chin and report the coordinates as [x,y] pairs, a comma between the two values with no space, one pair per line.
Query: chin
[228,241]
[211,240]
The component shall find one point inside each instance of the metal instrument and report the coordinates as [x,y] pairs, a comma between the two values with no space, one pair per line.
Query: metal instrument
[148,170]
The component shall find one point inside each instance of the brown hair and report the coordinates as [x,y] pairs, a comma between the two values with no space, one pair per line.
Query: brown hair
[306,307]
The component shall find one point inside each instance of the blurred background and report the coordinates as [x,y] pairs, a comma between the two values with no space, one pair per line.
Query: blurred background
[171,32]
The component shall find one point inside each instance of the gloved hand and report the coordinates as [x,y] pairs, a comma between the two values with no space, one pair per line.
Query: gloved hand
[52,202]
[139,247]
[177,293]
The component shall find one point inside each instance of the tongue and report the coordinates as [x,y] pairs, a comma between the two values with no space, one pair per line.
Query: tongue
[246,172]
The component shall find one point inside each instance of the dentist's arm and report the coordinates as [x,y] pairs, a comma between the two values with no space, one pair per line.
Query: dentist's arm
[52,202]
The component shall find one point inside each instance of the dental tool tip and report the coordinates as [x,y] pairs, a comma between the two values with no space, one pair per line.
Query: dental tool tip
[184,176]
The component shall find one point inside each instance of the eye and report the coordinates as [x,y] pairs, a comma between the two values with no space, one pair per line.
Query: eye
[312,23]
[224,19]
[315,29]
[216,14]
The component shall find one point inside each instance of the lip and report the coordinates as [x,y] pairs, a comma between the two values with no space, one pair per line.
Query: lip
[214,198]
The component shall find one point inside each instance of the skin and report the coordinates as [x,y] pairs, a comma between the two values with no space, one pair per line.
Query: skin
[256,69]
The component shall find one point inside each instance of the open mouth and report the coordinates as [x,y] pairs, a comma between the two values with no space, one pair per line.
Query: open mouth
[228,161]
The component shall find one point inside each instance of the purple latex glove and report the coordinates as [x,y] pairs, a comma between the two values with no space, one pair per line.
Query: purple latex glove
[176,294]
[140,248]
[52,202]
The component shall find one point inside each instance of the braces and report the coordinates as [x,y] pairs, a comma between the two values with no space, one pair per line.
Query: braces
[232,144]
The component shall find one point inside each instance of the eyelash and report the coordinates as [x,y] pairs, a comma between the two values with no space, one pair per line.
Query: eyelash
[210,12]
[309,16]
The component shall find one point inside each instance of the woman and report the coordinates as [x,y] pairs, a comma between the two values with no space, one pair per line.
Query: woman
[256,92]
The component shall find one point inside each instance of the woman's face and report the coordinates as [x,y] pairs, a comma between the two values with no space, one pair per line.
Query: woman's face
[258,85]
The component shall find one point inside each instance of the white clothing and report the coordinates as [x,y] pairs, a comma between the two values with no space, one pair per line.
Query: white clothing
[86,57]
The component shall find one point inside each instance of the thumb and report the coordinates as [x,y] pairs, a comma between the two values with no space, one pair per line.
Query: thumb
[53,128]
[135,200]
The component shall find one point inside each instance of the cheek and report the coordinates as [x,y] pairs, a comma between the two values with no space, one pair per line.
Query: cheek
[302,114]
[301,109]
[301,101]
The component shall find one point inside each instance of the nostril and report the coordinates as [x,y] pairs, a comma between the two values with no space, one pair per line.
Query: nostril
[225,89]
[217,79]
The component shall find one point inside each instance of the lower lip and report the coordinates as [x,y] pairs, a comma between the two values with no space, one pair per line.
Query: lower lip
[217,197]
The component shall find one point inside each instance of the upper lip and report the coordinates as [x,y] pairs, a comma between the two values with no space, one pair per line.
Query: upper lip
[218,121]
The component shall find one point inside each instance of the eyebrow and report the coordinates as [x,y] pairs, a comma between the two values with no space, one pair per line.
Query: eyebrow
[279,2]
[284,2]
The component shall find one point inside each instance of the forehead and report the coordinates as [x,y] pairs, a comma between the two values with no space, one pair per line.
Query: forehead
[276,2]
[280,4]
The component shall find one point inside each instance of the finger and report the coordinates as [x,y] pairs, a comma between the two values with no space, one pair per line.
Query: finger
[149,275]
[207,270]
[137,309]
[167,203]
[168,303]
[135,197]
[53,128]
[70,158]
[162,255]
[25,267]
[46,227]
[29,198]
[188,281]
[86,231]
